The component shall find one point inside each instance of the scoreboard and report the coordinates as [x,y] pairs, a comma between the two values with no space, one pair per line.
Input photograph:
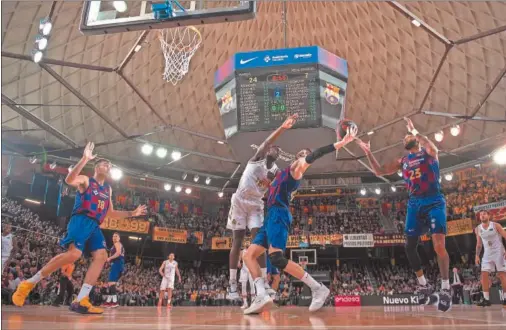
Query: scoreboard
[256,91]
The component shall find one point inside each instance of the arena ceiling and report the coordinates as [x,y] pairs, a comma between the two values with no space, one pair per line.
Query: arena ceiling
[96,88]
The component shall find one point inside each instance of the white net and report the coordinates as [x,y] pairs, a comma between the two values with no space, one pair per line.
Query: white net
[178,47]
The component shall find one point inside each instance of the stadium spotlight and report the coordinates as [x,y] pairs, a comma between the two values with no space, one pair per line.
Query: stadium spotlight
[176,155]
[220,194]
[167,186]
[448,176]
[120,6]
[161,152]
[439,136]
[45,26]
[116,173]
[363,191]
[188,191]
[393,188]
[37,55]
[184,176]
[455,130]
[178,189]
[377,191]
[499,156]
[208,180]
[196,178]
[147,149]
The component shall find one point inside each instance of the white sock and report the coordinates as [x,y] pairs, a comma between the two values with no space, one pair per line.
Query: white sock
[422,280]
[260,286]
[109,299]
[310,281]
[486,295]
[168,302]
[445,284]
[36,278]
[85,292]
[115,299]
[233,280]
[245,300]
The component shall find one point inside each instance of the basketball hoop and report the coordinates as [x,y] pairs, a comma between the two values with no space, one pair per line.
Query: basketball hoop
[178,47]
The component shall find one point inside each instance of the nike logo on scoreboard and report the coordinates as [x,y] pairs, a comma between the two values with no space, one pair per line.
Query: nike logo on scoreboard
[248,60]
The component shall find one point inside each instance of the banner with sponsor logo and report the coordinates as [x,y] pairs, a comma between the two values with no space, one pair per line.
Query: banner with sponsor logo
[389,240]
[497,210]
[347,301]
[332,239]
[170,235]
[221,243]
[456,227]
[358,240]
[225,243]
[128,225]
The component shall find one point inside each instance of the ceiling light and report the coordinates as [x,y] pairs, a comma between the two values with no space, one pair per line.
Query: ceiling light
[220,142]
[455,130]
[363,191]
[439,136]
[176,155]
[116,173]
[188,191]
[448,176]
[499,156]
[184,176]
[393,188]
[53,165]
[178,189]
[45,26]
[37,55]
[147,149]
[208,180]
[41,42]
[167,186]
[220,194]
[137,48]
[120,6]
[31,201]
[161,152]
[370,133]
[416,23]
[196,178]
[377,191]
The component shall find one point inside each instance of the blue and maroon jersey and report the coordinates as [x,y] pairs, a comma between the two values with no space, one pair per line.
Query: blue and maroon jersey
[420,171]
[282,189]
[93,202]
[121,255]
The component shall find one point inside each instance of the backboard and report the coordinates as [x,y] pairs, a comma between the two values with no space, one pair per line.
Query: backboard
[104,17]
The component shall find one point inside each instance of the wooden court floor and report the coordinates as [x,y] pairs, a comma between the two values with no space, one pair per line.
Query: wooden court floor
[291,318]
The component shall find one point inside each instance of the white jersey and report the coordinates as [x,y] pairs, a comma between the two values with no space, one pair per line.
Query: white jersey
[492,240]
[254,181]
[170,269]
[6,246]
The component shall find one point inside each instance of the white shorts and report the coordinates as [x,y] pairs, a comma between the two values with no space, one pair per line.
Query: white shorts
[245,213]
[492,263]
[244,277]
[167,283]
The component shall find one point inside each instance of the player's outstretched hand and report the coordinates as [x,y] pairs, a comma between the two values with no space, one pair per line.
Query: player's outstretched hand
[351,134]
[409,124]
[140,210]
[88,151]
[366,146]
[290,121]
[477,260]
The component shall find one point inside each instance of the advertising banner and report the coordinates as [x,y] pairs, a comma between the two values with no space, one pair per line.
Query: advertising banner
[128,225]
[390,300]
[347,301]
[389,240]
[333,239]
[170,235]
[497,210]
[358,240]
[456,227]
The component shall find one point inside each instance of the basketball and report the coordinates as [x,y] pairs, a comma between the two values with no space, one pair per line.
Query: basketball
[342,127]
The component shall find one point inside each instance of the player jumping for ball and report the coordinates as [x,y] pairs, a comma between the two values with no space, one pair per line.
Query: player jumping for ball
[274,233]
[426,207]
[489,235]
[247,206]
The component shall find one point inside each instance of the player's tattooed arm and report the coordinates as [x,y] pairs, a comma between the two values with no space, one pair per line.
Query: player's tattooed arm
[73,178]
[264,147]
[379,170]
[424,141]
[479,247]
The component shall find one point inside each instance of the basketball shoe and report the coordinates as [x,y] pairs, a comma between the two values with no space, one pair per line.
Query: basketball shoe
[258,304]
[444,300]
[424,293]
[319,297]
[484,303]
[85,307]
[23,290]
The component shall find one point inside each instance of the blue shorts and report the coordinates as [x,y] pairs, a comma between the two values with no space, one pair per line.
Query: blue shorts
[84,233]
[116,270]
[275,228]
[424,214]
[271,269]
